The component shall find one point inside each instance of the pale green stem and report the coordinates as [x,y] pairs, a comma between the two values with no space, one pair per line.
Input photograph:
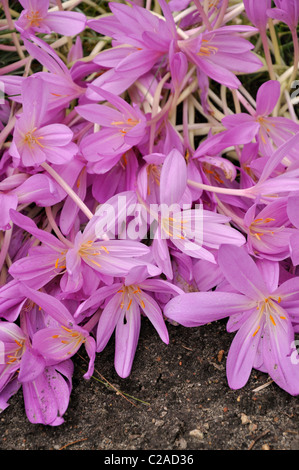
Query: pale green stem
[7,130]
[68,190]
[221,14]
[296,56]
[54,226]
[215,189]
[267,53]
[5,246]
[203,15]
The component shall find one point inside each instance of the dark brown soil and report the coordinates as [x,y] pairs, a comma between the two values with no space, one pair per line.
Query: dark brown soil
[176,398]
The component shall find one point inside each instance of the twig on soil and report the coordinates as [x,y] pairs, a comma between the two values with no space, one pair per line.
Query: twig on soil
[71,443]
[105,382]
[258,438]
[258,389]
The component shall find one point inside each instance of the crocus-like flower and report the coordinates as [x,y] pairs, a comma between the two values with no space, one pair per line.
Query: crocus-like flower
[145,37]
[36,18]
[270,132]
[269,231]
[195,232]
[35,142]
[257,308]
[83,263]
[122,128]
[286,11]
[59,342]
[62,89]
[221,53]
[13,357]
[46,389]
[125,303]
[257,12]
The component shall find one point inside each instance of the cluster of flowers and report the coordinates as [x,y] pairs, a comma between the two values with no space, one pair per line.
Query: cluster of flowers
[94,145]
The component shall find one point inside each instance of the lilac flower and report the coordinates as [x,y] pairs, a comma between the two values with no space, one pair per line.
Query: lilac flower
[47,398]
[257,308]
[269,230]
[146,39]
[195,232]
[61,340]
[83,262]
[121,129]
[123,306]
[35,142]
[286,11]
[222,52]
[257,12]
[36,18]
[61,85]
[46,390]
[270,132]
[16,354]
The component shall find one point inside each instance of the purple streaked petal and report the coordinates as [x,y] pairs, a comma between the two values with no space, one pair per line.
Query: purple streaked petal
[54,135]
[277,351]
[294,248]
[198,308]
[126,340]
[241,272]
[154,314]
[49,304]
[67,23]
[100,114]
[32,365]
[242,352]
[27,224]
[267,97]
[108,321]
[173,178]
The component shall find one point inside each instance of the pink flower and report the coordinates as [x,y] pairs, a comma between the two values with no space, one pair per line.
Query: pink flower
[36,18]
[35,142]
[258,308]
[121,129]
[222,52]
[270,132]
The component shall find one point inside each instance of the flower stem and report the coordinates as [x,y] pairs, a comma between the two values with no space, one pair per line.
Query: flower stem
[11,26]
[296,55]
[55,227]
[267,53]
[5,246]
[216,189]
[203,15]
[68,190]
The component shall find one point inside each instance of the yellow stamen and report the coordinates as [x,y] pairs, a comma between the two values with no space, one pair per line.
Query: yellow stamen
[34,17]
[256,331]
[272,320]
[66,329]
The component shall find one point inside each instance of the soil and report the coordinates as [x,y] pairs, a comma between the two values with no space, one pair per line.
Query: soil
[176,399]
